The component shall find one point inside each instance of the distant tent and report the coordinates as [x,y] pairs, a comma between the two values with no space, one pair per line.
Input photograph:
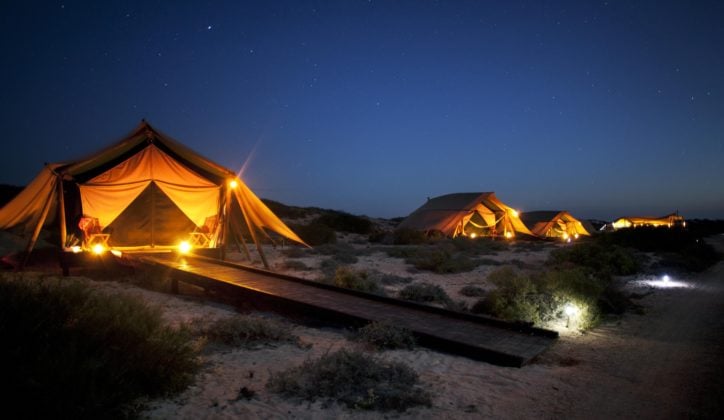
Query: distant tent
[670,220]
[145,191]
[467,214]
[555,224]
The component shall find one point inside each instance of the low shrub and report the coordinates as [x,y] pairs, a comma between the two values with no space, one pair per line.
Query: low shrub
[424,292]
[478,246]
[472,291]
[248,332]
[69,350]
[408,237]
[602,259]
[345,222]
[384,335]
[385,278]
[356,280]
[315,233]
[355,379]
[514,297]
[440,260]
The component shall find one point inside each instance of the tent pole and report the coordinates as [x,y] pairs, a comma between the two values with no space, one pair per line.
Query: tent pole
[227,220]
[254,238]
[36,232]
[237,232]
[61,214]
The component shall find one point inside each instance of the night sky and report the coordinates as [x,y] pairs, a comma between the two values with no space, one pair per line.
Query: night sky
[604,108]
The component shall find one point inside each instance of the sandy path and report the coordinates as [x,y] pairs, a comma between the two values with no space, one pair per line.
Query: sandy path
[665,364]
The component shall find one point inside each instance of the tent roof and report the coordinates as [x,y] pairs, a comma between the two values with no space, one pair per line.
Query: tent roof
[443,213]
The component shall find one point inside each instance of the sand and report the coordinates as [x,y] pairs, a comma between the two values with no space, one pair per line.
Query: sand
[665,363]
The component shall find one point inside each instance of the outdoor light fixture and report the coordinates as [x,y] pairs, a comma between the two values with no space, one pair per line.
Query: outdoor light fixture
[576,236]
[98,249]
[473,235]
[184,247]
[515,212]
[75,249]
[508,235]
[233,184]
[570,310]
[665,278]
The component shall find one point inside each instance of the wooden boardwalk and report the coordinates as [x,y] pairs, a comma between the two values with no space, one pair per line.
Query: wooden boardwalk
[481,338]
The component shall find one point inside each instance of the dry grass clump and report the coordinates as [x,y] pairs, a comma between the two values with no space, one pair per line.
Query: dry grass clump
[294,265]
[472,291]
[356,280]
[69,350]
[385,336]
[424,292]
[247,331]
[355,379]
[440,259]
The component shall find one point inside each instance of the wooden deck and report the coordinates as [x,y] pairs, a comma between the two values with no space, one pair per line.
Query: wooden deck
[481,338]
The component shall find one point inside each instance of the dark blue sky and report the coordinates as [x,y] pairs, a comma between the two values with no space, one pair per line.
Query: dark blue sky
[603,108]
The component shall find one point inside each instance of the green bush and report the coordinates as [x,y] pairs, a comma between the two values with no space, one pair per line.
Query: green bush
[315,233]
[356,280]
[69,350]
[345,222]
[355,379]
[424,292]
[602,259]
[248,332]
[408,237]
[514,298]
[440,260]
[384,335]
[472,291]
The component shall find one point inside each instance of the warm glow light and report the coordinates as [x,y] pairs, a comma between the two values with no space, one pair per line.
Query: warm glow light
[76,249]
[233,184]
[184,247]
[98,249]
[565,235]
[508,235]
[473,235]
[576,236]
[515,212]
[117,253]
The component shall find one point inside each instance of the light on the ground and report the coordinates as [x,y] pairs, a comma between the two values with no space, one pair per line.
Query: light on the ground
[576,236]
[570,309]
[184,247]
[666,278]
[98,249]
[75,249]
[473,235]
[508,235]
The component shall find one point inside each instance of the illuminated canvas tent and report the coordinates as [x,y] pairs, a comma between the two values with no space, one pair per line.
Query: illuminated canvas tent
[670,220]
[467,214]
[145,191]
[555,224]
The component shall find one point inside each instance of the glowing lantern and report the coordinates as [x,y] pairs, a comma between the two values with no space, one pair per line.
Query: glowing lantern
[473,235]
[576,236]
[184,247]
[98,249]
[508,235]
[233,184]
[75,249]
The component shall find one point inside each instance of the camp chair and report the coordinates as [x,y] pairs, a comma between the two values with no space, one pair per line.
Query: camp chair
[202,235]
[92,232]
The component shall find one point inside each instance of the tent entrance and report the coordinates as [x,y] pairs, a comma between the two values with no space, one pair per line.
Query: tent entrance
[152,219]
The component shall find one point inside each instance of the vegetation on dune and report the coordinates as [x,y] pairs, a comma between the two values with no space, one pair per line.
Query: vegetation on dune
[424,292]
[69,350]
[472,291]
[315,233]
[247,331]
[355,379]
[385,336]
[600,259]
[356,280]
[436,258]
[345,222]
